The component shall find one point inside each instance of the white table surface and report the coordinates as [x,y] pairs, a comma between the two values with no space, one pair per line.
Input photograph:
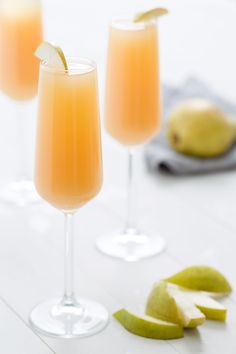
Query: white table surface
[196,215]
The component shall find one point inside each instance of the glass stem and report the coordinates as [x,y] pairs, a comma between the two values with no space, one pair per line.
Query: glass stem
[22,140]
[69,261]
[130,218]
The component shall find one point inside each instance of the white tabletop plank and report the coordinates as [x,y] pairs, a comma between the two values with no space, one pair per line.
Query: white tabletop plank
[112,282]
[16,336]
[37,234]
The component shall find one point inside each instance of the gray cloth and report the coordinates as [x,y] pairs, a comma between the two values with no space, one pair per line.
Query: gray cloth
[158,153]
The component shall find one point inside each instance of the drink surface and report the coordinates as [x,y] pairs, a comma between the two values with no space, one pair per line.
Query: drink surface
[68,151]
[20,34]
[132,102]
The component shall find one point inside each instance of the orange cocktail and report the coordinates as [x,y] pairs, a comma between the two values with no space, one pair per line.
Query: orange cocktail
[68,174]
[68,156]
[132,117]
[20,34]
[132,104]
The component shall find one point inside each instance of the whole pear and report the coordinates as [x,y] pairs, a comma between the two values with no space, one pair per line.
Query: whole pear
[198,128]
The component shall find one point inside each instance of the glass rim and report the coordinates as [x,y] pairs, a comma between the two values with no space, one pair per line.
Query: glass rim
[92,66]
[129,17]
[31,6]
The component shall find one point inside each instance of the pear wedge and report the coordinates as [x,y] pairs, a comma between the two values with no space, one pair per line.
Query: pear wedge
[167,303]
[202,278]
[211,308]
[148,327]
[150,14]
[52,55]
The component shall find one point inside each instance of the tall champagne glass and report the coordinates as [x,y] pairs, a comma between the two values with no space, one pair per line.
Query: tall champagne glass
[68,174]
[20,34]
[132,117]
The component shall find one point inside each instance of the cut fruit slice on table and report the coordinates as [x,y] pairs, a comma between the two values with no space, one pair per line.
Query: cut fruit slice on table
[52,56]
[148,327]
[202,278]
[170,304]
[151,14]
[211,308]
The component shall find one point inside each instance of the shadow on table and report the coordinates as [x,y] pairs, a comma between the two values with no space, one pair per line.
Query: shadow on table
[193,341]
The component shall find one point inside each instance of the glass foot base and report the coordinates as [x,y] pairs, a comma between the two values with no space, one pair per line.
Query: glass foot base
[131,245]
[82,319]
[21,193]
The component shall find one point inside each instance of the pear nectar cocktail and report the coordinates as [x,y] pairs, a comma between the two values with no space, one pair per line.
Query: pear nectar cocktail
[20,34]
[132,114]
[68,156]
[68,174]
[132,103]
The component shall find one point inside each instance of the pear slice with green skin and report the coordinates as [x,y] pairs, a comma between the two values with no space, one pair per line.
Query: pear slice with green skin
[151,14]
[202,278]
[148,327]
[167,304]
[211,308]
[52,55]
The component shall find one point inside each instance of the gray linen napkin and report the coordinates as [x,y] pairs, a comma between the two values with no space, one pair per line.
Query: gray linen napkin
[158,153]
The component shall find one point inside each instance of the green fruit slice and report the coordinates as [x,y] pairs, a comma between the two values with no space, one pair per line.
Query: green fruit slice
[148,327]
[202,278]
[167,303]
[212,309]
[51,55]
[151,14]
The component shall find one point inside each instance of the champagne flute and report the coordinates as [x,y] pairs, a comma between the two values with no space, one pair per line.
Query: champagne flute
[132,117]
[68,174]
[20,34]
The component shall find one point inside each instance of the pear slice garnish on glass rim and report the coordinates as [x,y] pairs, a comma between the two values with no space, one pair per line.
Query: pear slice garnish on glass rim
[150,14]
[52,55]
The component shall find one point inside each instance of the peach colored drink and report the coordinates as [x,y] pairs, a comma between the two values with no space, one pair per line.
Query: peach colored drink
[20,34]
[132,116]
[68,154]
[132,104]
